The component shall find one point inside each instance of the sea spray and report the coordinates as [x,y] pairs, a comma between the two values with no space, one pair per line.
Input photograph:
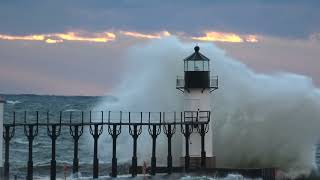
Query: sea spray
[260,120]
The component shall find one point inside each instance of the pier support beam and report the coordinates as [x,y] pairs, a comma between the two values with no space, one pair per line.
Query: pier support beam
[114,132]
[135,132]
[96,130]
[169,131]
[154,132]
[2,101]
[95,153]
[53,133]
[76,132]
[134,156]
[30,131]
[7,136]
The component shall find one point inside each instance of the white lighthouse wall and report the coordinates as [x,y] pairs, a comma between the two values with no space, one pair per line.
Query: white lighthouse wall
[196,95]
[193,101]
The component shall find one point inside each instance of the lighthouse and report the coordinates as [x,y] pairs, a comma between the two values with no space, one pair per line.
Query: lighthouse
[197,86]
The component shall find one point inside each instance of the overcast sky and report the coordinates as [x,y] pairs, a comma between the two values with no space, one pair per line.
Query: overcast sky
[69,47]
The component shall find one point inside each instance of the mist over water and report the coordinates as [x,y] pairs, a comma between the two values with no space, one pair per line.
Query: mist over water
[260,120]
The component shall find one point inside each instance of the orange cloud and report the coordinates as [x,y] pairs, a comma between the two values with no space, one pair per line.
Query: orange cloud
[104,37]
[251,38]
[53,41]
[226,37]
[146,36]
[61,37]
[97,37]
[27,38]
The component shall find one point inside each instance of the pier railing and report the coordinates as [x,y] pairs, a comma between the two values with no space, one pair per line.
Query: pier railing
[112,123]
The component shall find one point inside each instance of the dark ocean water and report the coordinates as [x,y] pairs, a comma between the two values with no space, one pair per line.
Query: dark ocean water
[42,143]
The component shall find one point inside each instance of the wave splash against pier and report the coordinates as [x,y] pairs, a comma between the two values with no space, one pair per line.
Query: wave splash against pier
[260,120]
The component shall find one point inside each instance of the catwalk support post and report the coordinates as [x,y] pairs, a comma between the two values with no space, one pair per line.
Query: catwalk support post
[30,131]
[135,130]
[204,128]
[154,132]
[2,101]
[76,131]
[169,130]
[53,133]
[7,136]
[114,132]
[186,131]
[96,131]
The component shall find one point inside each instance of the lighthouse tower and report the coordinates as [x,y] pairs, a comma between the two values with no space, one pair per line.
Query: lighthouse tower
[197,86]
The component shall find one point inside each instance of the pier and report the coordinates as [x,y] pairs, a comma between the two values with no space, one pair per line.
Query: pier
[114,124]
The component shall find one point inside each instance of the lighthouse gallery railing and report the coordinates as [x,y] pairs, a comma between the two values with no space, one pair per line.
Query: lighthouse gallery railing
[213,82]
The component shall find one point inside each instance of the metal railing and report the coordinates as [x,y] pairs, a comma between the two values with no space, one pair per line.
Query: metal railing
[97,122]
[213,83]
[197,116]
[180,82]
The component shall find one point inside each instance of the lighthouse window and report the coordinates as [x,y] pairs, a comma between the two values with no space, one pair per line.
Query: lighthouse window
[190,65]
[198,66]
[185,66]
[206,65]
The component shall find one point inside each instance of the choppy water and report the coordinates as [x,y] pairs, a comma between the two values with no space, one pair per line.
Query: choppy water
[42,143]
[64,156]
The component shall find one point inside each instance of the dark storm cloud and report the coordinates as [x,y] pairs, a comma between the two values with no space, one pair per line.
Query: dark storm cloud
[292,18]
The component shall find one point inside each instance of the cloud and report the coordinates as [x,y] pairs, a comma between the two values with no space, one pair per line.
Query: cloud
[38,37]
[146,36]
[101,65]
[53,41]
[61,37]
[26,81]
[95,37]
[226,37]
[273,54]
[315,37]
[251,38]
[102,37]
[274,18]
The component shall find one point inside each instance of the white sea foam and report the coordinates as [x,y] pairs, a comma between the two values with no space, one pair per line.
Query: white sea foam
[260,120]
[12,102]
[71,110]
[140,176]
[229,177]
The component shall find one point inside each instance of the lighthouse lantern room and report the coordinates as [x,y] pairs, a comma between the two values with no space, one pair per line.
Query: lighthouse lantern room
[197,86]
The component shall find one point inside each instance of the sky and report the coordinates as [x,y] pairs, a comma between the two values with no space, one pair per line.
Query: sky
[76,47]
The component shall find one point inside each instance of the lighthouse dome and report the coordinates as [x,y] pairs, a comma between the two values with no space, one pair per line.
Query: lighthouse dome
[196,61]
[196,56]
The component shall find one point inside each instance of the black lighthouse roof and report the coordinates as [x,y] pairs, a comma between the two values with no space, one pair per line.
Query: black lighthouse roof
[196,56]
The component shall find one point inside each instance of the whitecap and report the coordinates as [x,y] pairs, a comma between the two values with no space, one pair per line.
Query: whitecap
[13,102]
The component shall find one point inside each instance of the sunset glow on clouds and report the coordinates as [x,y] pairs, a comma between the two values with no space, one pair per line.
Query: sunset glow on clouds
[96,37]
[53,41]
[251,38]
[226,37]
[26,38]
[61,37]
[42,42]
[85,37]
[104,37]
[146,36]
